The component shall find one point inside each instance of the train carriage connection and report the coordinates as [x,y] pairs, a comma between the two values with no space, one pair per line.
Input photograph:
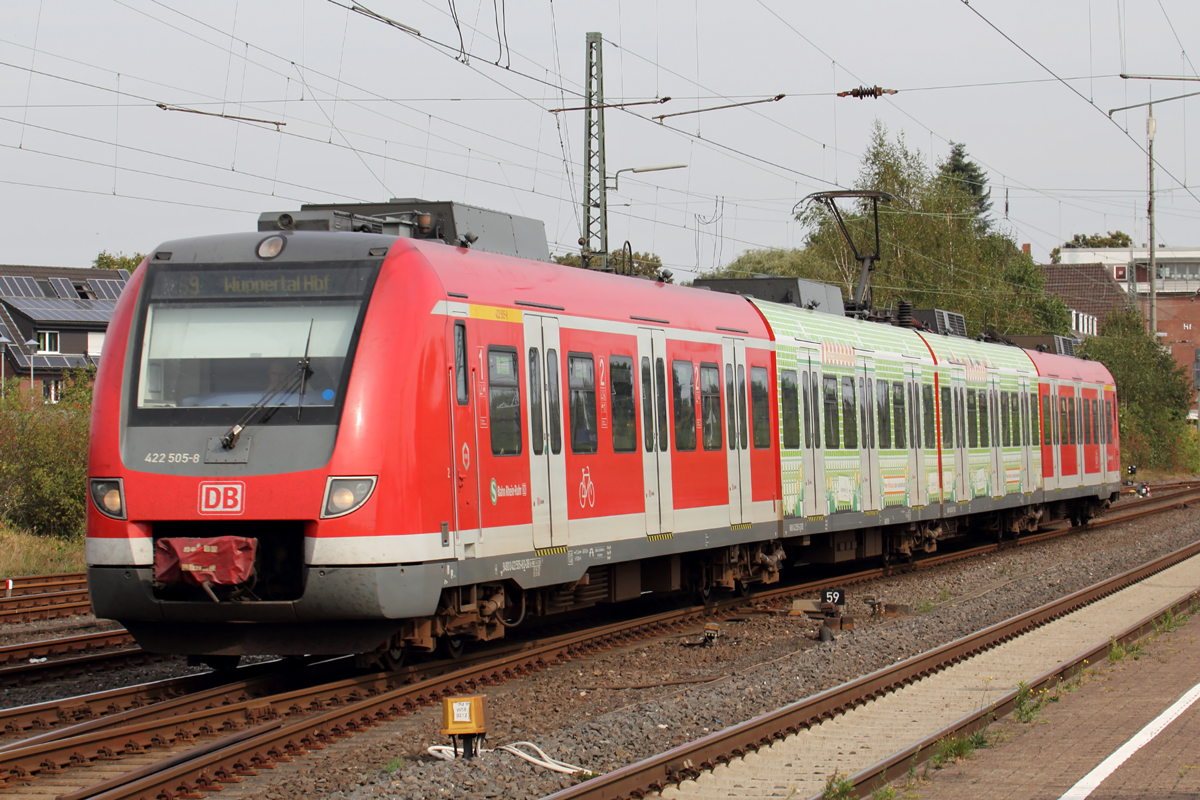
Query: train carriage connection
[418,441]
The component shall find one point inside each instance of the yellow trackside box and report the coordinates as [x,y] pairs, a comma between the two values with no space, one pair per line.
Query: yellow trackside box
[464,716]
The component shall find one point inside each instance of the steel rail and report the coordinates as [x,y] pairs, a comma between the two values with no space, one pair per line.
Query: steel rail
[688,760]
[33,584]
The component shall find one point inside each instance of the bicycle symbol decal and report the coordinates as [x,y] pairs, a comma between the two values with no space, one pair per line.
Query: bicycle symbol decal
[587,490]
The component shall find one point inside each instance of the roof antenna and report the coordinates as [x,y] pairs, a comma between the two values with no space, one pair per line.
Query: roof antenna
[860,306]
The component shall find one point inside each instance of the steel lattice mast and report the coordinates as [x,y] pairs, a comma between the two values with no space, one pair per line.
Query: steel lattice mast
[595,196]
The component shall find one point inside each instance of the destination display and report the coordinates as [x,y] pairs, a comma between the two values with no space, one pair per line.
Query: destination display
[252,282]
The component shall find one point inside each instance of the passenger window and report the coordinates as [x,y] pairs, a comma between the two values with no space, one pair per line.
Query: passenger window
[537,434]
[760,400]
[683,396]
[1015,405]
[1005,430]
[647,406]
[660,384]
[807,411]
[1062,437]
[710,405]
[960,412]
[914,413]
[730,408]
[788,397]
[884,402]
[1034,419]
[743,434]
[868,412]
[831,413]
[1111,416]
[460,363]
[624,412]
[947,419]
[972,419]
[553,402]
[581,382]
[898,414]
[849,412]
[504,401]
[1096,424]
[816,405]
[1087,422]
[1047,422]
[984,418]
[929,418]
[1073,419]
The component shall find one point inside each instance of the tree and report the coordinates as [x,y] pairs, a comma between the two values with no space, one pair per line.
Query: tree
[969,176]
[107,260]
[1095,241]
[1154,394]
[934,253]
[647,264]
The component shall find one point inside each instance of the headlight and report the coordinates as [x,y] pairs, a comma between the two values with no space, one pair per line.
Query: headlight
[343,495]
[109,496]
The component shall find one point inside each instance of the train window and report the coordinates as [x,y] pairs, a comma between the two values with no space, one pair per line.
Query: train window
[1086,413]
[947,418]
[1096,423]
[553,402]
[849,412]
[929,418]
[660,386]
[898,414]
[972,419]
[624,411]
[647,406]
[1034,418]
[683,397]
[868,404]
[504,401]
[1005,430]
[914,405]
[789,397]
[961,413]
[1015,405]
[730,408]
[537,434]
[460,363]
[760,400]
[831,413]
[816,416]
[1109,419]
[807,410]
[581,384]
[710,405]
[1073,418]
[743,434]
[1047,422]
[884,401]
[984,418]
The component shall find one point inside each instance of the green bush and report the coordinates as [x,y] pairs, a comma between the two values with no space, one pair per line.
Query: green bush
[43,458]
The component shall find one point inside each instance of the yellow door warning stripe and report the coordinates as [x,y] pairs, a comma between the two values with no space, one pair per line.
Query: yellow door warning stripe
[551,551]
[658,537]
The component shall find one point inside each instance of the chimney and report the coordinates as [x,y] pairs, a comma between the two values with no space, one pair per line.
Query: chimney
[1026,249]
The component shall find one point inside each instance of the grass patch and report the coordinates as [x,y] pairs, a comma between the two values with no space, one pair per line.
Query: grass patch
[23,553]
[925,606]
[838,787]
[1029,702]
[944,595]
[395,764]
[959,748]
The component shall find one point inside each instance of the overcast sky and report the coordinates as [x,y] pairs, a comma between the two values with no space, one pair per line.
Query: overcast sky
[89,163]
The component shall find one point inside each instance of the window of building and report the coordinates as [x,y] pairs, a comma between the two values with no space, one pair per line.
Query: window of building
[849,414]
[884,401]
[537,434]
[581,384]
[898,414]
[831,413]
[683,395]
[504,401]
[760,400]
[647,406]
[460,363]
[553,401]
[624,412]
[790,413]
[710,405]
[52,391]
[47,341]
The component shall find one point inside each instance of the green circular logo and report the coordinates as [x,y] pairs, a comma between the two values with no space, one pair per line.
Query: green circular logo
[495,494]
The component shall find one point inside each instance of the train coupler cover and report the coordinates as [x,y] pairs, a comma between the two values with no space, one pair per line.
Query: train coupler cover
[219,561]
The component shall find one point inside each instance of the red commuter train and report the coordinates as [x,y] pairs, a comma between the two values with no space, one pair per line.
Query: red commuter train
[351,442]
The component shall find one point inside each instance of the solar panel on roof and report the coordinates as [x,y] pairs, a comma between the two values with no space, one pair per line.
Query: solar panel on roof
[100,288]
[31,287]
[46,309]
[64,288]
[124,274]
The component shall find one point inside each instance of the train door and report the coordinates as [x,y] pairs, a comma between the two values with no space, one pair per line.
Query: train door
[808,362]
[656,431]
[1068,468]
[917,486]
[738,452]
[547,461]
[962,471]
[868,450]
[465,399]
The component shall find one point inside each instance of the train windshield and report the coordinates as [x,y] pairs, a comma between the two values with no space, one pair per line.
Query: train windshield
[230,335]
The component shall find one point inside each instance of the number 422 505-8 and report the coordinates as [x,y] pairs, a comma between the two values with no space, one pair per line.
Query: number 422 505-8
[173,458]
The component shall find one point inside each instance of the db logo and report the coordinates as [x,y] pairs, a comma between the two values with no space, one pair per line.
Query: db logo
[226,497]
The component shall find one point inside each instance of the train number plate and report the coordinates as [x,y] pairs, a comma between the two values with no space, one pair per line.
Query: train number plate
[835,596]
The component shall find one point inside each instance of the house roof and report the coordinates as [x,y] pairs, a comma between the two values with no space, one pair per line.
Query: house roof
[1089,288]
[45,309]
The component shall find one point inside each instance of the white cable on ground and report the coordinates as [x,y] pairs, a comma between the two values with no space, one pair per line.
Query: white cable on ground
[542,759]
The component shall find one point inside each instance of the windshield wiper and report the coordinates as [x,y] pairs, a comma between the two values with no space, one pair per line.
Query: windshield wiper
[230,439]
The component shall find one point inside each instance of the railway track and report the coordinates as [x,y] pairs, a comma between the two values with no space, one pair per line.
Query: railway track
[195,733]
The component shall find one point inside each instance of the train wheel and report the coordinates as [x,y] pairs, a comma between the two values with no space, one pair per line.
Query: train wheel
[221,663]
[393,658]
[705,595]
[743,589]
[453,646]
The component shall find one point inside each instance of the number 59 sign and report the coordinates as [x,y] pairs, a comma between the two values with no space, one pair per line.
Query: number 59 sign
[835,596]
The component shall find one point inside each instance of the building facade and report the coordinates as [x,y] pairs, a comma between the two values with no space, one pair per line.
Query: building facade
[54,319]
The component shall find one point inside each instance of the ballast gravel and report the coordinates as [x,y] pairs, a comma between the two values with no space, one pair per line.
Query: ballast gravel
[585,713]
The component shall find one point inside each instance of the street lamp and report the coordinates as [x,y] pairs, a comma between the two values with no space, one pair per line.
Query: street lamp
[4,342]
[616,175]
[32,344]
